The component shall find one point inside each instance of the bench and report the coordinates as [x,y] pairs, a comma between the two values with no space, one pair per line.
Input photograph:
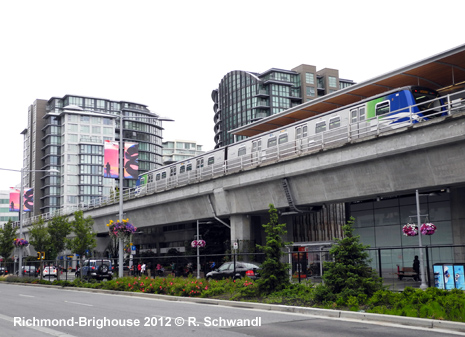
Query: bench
[407,272]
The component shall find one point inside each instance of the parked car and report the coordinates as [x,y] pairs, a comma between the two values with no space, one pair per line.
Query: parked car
[98,269]
[3,271]
[50,271]
[30,271]
[243,269]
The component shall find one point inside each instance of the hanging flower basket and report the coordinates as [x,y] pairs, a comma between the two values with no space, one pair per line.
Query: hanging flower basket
[198,243]
[121,229]
[427,229]
[410,229]
[21,243]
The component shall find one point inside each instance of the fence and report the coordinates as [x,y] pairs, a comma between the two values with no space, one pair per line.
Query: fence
[307,264]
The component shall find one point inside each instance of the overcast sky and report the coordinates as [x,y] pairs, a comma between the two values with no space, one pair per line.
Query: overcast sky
[170,55]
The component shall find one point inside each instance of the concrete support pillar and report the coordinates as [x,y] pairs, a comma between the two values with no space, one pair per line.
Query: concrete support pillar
[457,199]
[240,227]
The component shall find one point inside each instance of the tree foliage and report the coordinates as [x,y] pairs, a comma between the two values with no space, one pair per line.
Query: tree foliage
[7,235]
[58,228]
[274,273]
[83,239]
[350,274]
[39,237]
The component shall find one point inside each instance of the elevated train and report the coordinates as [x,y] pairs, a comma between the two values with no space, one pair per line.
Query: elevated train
[389,110]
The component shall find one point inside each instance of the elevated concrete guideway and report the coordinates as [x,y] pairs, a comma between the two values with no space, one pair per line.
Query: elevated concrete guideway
[423,156]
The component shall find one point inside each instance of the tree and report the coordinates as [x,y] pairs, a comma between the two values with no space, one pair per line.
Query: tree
[40,239]
[58,228]
[350,274]
[274,273]
[7,235]
[84,237]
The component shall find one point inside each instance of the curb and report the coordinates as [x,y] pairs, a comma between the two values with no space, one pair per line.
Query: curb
[354,315]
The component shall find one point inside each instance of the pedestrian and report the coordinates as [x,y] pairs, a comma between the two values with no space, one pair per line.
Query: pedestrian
[416,265]
[139,267]
[131,270]
[142,268]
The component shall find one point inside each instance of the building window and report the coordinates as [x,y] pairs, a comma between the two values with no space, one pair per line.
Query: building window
[309,78]
[332,82]
[310,91]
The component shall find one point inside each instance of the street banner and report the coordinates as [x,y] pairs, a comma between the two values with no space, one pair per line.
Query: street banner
[131,160]
[110,159]
[14,200]
[28,200]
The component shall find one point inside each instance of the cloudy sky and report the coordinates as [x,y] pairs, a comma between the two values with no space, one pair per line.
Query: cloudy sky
[170,55]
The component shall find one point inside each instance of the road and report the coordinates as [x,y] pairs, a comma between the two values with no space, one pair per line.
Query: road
[35,311]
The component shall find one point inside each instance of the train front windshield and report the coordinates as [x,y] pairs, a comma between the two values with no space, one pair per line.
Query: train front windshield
[426,101]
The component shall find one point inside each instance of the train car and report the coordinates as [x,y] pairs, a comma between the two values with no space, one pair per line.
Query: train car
[204,166]
[400,105]
[392,109]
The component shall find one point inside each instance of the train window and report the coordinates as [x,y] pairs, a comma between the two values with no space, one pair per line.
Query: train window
[334,123]
[382,108]
[242,151]
[320,127]
[189,167]
[211,161]
[158,176]
[283,139]
[172,171]
[257,145]
[182,169]
[304,131]
[163,175]
[298,133]
[361,114]
[354,116]
[272,142]
[199,163]
[150,178]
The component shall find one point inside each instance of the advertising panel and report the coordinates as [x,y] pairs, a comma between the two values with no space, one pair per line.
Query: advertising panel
[110,159]
[459,277]
[449,282]
[438,276]
[131,160]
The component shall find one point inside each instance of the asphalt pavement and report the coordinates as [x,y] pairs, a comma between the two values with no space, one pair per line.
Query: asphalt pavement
[26,302]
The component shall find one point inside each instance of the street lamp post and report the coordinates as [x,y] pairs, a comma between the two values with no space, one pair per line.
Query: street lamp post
[121,177]
[423,285]
[21,202]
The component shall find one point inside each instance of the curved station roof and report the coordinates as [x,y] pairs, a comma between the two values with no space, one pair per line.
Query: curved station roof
[444,72]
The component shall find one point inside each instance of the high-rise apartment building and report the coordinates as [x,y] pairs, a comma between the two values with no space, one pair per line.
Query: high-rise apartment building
[244,97]
[67,134]
[179,150]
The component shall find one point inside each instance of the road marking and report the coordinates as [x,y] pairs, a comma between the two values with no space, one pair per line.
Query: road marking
[26,295]
[48,331]
[87,305]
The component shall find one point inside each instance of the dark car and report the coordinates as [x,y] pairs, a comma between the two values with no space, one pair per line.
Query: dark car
[3,271]
[30,271]
[243,269]
[98,269]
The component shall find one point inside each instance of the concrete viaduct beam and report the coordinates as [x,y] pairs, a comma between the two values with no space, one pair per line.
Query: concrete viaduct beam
[425,155]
